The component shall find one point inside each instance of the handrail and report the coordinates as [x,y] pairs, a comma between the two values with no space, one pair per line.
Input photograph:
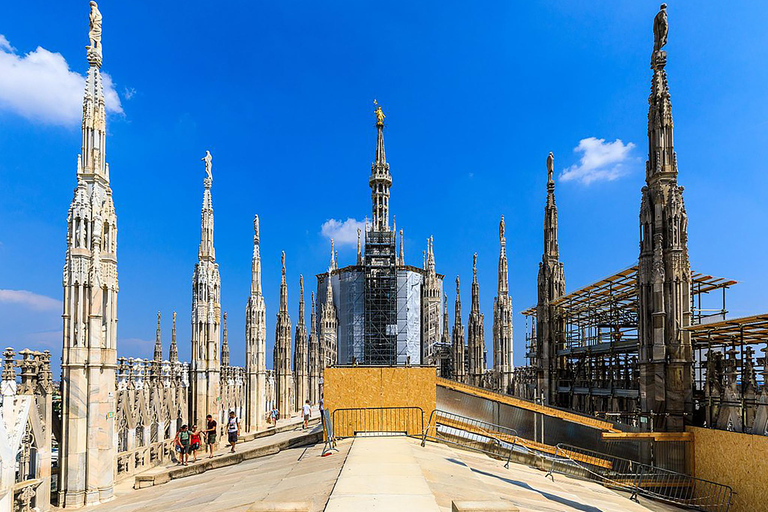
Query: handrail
[642,479]
[352,421]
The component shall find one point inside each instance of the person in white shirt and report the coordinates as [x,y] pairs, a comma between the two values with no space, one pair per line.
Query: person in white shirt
[306,410]
[233,429]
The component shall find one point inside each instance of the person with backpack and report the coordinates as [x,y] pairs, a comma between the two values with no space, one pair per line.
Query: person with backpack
[233,429]
[210,431]
[182,445]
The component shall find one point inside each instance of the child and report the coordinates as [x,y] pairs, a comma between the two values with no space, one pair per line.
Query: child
[182,445]
[194,443]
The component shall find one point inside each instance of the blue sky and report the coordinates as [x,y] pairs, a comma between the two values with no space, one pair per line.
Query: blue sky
[282,93]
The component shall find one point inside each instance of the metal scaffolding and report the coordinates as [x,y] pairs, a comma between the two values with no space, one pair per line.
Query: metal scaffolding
[597,346]
[380,299]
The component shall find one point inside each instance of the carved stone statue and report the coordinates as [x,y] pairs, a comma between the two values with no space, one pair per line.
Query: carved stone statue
[95,31]
[660,29]
[550,166]
[501,228]
[208,165]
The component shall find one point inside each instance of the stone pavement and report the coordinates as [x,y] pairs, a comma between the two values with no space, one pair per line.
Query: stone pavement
[286,434]
[377,474]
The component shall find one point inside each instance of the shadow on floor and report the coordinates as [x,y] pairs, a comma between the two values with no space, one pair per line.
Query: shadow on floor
[552,497]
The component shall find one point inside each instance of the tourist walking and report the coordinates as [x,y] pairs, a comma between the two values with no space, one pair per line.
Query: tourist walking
[233,429]
[194,442]
[210,431]
[182,445]
[307,410]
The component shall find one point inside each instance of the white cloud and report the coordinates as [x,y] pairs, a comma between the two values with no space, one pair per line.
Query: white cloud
[343,233]
[600,161]
[129,92]
[40,86]
[30,300]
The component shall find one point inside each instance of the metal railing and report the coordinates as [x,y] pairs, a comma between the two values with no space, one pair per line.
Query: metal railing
[378,421]
[641,479]
[470,433]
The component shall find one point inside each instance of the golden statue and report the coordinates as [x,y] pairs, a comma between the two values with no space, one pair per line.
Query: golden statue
[379,114]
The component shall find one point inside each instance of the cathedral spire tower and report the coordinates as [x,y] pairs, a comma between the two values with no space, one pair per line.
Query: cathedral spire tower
[282,353]
[300,353]
[329,324]
[255,343]
[459,348]
[173,352]
[158,356]
[476,342]
[551,286]
[314,357]
[380,180]
[664,271]
[502,321]
[359,250]
[224,343]
[206,313]
[89,352]
[431,300]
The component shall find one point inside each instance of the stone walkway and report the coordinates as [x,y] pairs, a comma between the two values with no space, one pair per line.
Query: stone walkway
[379,474]
[288,433]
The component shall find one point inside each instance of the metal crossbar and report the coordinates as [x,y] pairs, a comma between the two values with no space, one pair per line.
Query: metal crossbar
[470,433]
[641,479]
[378,421]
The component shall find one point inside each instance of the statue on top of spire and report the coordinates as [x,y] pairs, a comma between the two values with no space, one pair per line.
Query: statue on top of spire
[660,32]
[660,29]
[208,165]
[501,228]
[550,166]
[379,114]
[95,27]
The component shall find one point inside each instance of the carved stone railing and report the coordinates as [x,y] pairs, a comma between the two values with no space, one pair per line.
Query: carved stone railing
[27,430]
[152,398]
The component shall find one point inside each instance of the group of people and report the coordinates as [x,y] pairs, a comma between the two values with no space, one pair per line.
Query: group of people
[188,441]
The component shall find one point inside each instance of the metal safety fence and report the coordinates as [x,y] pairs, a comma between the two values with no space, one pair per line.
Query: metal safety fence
[378,421]
[470,433]
[641,479]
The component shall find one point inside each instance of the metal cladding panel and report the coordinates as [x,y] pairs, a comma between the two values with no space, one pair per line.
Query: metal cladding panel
[408,316]
[348,289]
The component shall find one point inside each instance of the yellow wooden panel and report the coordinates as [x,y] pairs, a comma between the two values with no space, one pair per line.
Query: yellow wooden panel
[738,460]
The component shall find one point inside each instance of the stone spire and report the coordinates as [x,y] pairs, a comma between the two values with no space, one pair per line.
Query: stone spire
[255,343]
[664,272]
[300,352]
[314,357]
[551,286]
[282,352]
[224,344]
[459,348]
[502,321]
[476,342]
[334,259]
[402,252]
[380,180]
[359,251]
[158,356]
[431,292]
[173,352]
[328,328]
[89,341]
[206,250]
[206,314]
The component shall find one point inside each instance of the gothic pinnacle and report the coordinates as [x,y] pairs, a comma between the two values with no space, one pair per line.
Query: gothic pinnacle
[283,288]
[158,356]
[173,353]
[359,252]
[503,287]
[224,344]
[301,300]
[402,253]
[380,180]
[256,262]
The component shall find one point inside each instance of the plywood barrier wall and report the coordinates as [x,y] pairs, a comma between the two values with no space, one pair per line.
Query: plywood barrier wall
[361,387]
[738,460]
